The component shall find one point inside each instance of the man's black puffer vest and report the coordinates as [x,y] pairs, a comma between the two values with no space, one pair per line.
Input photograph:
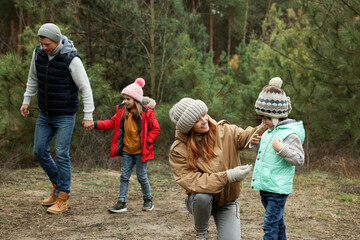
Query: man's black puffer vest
[57,92]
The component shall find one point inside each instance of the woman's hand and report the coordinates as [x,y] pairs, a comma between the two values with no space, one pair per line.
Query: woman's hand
[255,139]
[239,173]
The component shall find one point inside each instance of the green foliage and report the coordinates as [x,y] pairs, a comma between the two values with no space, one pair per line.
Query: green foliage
[167,131]
[94,146]
[320,72]
[336,55]
[312,45]
[15,131]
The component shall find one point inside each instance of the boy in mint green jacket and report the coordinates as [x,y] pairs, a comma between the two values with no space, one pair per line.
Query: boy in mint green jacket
[280,150]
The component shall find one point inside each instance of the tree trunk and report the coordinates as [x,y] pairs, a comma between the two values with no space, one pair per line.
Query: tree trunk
[245,20]
[52,13]
[163,60]
[268,4]
[13,35]
[229,38]
[73,6]
[210,27]
[217,47]
[28,18]
[152,49]
[21,21]
[193,7]
[211,37]
[88,35]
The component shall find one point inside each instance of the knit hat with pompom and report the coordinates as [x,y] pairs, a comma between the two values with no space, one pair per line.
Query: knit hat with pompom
[134,90]
[272,101]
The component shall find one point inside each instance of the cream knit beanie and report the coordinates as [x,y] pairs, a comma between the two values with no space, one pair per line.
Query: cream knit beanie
[186,112]
[272,104]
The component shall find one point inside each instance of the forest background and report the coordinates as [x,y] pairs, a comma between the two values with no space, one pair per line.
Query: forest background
[220,51]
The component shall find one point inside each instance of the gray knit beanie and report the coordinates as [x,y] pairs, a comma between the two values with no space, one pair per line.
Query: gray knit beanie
[272,104]
[50,31]
[186,112]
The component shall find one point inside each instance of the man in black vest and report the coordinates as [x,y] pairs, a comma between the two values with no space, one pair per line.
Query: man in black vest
[56,75]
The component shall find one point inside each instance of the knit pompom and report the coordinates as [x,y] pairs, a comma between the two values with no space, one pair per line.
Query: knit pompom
[276,82]
[140,82]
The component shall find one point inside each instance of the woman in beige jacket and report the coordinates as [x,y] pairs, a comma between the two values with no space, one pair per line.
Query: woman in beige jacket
[205,162]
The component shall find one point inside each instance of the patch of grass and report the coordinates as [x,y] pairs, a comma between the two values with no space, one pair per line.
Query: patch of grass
[346,197]
[76,173]
[95,185]
[5,222]
[159,173]
[339,213]
[323,218]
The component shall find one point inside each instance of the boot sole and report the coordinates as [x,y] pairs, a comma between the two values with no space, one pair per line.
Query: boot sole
[117,211]
[50,212]
[150,209]
[48,204]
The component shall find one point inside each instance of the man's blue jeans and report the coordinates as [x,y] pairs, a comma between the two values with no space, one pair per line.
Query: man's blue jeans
[47,127]
[274,226]
[127,164]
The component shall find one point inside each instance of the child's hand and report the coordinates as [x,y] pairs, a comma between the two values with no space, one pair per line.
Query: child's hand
[88,125]
[277,144]
[255,139]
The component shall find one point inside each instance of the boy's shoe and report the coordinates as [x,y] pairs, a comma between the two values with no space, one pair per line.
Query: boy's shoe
[148,205]
[118,207]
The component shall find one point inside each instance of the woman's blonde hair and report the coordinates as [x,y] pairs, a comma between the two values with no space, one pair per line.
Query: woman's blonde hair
[204,148]
[136,113]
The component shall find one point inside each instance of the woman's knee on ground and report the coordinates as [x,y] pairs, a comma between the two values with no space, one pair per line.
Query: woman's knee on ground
[202,200]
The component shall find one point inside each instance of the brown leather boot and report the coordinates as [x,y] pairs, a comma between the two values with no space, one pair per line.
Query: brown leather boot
[51,199]
[61,203]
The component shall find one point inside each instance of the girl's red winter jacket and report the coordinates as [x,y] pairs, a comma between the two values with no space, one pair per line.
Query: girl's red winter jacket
[149,129]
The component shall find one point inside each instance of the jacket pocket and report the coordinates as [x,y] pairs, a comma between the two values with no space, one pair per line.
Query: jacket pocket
[120,144]
[149,148]
[267,180]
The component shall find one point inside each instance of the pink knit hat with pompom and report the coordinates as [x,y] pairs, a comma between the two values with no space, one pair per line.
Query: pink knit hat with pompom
[134,90]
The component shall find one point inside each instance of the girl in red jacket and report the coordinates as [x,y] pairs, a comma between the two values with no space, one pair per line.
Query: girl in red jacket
[135,129]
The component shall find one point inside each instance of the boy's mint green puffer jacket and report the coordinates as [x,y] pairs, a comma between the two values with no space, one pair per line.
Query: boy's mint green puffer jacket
[271,172]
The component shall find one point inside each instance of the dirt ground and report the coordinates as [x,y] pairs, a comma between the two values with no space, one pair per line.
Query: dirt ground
[322,208]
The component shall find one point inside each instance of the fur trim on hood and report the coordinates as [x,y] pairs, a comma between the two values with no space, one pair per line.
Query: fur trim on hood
[151,103]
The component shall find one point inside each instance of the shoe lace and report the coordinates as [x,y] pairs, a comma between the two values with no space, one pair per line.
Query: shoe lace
[147,202]
[120,205]
[60,201]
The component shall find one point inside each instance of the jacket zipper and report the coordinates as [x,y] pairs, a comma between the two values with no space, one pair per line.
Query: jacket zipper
[46,78]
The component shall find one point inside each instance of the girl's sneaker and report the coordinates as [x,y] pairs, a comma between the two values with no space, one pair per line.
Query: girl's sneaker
[148,205]
[118,207]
